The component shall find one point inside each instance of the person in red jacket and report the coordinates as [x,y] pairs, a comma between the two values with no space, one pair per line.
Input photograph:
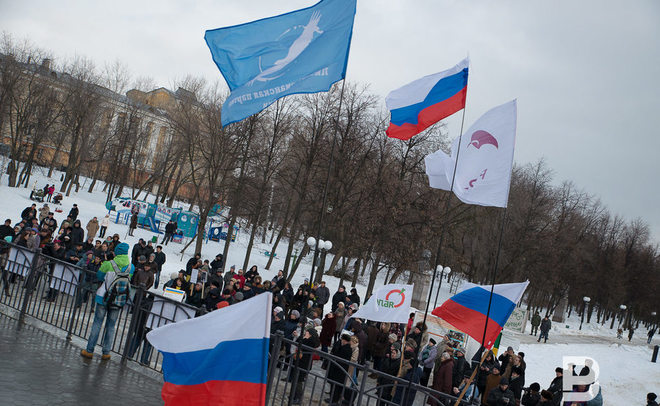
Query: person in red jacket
[328,329]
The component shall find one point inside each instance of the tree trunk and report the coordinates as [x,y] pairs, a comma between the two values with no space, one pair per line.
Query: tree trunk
[372,275]
[200,231]
[230,233]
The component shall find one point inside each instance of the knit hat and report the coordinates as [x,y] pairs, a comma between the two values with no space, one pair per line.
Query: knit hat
[517,370]
[295,313]
[393,337]
[535,387]
[277,309]
[504,381]
[121,249]
[317,322]
[238,296]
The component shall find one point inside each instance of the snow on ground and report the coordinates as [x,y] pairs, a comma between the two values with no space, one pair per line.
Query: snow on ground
[626,371]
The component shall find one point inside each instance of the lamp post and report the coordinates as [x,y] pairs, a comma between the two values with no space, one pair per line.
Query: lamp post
[442,270]
[586,300]
[623,312]
[317,245]
[655,321]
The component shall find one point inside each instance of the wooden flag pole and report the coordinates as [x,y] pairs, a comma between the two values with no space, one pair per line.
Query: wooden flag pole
[469,382]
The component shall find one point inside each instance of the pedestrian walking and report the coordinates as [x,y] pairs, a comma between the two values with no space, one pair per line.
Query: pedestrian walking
[536,321]
[546,324]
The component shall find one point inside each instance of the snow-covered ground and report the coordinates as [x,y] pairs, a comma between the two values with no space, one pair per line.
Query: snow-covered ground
[626,371]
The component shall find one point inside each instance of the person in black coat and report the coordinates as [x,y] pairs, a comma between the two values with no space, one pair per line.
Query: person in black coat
[388,365]
[556,386]
[460,366]
[304,358]
[339,296]
[355,298]
[337,372]
[29,213]
[192,262]
[532,397]
[217,263]
[486,368]
[501,395]
[516,382]
[73,213]
[77,233]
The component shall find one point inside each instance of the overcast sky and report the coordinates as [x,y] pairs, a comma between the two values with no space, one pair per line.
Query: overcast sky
[586,73]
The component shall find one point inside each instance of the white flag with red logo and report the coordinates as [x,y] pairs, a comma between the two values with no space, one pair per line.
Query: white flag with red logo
[483,173]
[389,303]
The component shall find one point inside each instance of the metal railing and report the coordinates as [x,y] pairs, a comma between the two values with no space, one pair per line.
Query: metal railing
[63,295]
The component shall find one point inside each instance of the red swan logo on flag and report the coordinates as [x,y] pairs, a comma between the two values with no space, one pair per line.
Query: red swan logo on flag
[482,137]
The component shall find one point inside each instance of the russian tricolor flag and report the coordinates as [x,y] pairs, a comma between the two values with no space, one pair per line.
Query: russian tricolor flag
[467,310]
[422,103]
[217,359]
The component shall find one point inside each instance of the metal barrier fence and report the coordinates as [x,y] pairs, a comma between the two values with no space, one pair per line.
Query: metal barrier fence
[63,295]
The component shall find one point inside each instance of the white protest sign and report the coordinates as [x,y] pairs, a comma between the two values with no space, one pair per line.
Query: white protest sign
[164,312]
[65,279]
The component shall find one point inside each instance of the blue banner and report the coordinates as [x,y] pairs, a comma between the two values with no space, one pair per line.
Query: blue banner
[304,51]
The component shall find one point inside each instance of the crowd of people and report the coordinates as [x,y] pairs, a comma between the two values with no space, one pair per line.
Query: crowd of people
[308,315]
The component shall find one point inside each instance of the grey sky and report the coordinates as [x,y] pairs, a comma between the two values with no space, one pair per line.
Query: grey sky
[586,73]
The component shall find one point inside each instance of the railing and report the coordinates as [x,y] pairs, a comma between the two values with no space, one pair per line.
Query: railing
[63,295]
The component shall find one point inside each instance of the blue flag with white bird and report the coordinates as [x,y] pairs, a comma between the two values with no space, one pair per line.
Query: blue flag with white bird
[304,51]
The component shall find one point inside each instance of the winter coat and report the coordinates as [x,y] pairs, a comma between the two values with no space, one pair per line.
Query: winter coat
[322,295]
[339,317]
[460,367]
[403,396]
[305,355]
[355,298]
[336,298]
[531,399]
[195,298]
[388,366]
[28,213]
[372,332]
[536,320]
[382,344]
[160,260]
[134,221]
[497,395]
[492,382]
[77,233]
[515,386]
[170,228]
[546,325]
[92,228]
[337,372]
[488,366]
[216,264]
[143,278]
[43,213]
[328,329]
[106,272]
[105,222]
[73,213]
[557,390]
[427,356]
[442,379]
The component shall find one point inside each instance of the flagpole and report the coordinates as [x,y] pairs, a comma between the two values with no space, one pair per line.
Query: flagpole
[492,281]
[490,300]
[327,184]
[447,207]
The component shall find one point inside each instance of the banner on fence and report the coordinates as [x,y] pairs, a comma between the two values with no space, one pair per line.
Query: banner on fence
[164,312]
[517,321]
[65,279]
[17,262]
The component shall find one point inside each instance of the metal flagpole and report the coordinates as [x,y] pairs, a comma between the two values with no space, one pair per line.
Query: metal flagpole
[490,301]
[447,207]
[327,183]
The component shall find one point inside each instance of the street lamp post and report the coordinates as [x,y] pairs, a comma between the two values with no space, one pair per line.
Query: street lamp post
[442,270]
[317,245]
[623,313]
[586,300]
[655,321]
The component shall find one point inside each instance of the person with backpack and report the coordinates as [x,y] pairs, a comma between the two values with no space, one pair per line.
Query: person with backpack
[115,276]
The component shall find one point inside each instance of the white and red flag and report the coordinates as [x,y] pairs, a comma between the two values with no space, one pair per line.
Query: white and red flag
[483,173]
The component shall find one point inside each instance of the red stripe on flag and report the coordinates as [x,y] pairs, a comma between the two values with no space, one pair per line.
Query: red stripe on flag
[428,117]
[469,321]
[220,393]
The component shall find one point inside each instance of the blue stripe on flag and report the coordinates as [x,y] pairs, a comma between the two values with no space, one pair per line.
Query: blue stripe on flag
[477,300]
[241,360]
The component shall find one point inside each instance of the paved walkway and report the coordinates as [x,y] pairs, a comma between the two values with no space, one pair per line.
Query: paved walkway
[41,369]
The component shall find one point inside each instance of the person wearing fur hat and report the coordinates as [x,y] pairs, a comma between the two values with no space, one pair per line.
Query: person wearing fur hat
[114,276]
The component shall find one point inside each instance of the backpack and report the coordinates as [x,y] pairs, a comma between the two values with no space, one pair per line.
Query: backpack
[117,293]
